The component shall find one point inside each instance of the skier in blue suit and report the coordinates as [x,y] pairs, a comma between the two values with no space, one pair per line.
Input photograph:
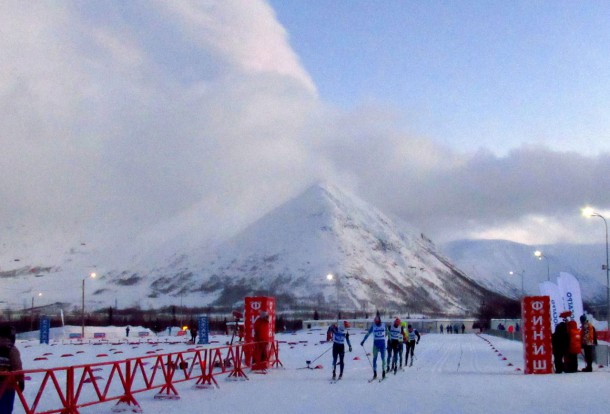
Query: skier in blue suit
[378,330]
[339,335]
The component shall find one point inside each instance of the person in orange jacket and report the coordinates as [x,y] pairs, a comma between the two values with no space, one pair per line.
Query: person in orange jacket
[588,338]
[262,336]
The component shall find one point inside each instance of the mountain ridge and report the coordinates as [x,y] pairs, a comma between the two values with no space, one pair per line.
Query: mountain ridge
[378,263]
[289,252]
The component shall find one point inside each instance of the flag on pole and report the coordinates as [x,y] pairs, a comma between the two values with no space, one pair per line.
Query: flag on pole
[553,291]
[570,290]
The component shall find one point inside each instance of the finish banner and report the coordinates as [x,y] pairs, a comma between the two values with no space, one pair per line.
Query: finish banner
[253,307]
[537,348]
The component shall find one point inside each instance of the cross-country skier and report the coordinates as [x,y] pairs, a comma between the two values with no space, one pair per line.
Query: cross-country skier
[411,335]
[395,344]
[388,355]
[339,335]
[378,331]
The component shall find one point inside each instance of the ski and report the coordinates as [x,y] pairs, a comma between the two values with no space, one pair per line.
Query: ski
[332,381]
[377,378]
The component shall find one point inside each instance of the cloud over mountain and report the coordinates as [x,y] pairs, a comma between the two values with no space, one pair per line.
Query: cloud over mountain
[125,124]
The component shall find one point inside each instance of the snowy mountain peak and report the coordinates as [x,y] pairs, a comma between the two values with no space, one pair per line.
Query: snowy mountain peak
[375,262]
[289,252]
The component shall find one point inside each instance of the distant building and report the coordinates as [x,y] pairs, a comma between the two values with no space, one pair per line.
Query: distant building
[37,311]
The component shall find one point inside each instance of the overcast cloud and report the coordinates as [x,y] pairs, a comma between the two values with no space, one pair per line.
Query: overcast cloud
[128,121]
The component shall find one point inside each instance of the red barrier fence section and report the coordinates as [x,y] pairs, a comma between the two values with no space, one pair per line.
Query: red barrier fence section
[66,389]
[603,335]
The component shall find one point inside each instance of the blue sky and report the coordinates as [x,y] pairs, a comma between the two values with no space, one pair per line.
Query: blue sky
[467,74]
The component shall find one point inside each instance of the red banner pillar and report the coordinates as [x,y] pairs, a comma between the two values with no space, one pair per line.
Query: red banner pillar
[537,346]
[254,306]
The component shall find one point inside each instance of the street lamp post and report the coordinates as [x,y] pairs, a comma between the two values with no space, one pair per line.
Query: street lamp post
[330,277]
[521,273]
[82,332]
[32,312]
[588,212]
[539,255]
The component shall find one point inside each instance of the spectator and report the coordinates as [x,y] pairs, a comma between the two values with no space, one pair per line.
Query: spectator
[261,342]
[574,347]
[561,342]
[10,360]
[587,335]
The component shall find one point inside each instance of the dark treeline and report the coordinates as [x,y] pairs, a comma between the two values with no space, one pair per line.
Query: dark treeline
[157,320]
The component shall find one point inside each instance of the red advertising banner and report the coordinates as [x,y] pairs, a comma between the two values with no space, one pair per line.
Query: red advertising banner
[253,308]
[259,328]
[536,321]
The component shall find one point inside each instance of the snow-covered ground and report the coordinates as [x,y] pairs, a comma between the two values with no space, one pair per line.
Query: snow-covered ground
[463,373]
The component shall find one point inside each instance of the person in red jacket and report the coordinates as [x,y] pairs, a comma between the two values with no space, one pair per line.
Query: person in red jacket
[262,336]
[574,347]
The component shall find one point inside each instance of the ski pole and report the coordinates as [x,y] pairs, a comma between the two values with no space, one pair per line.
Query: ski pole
[319,356]
[367,357]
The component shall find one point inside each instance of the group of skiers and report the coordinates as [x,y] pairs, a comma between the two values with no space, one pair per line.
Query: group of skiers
[569,340]
[396,337]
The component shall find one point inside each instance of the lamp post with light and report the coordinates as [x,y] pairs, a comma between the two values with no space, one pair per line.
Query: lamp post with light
[32,312]
[91,275]
[540,255]
[521,273]
[589,212]
[330,277]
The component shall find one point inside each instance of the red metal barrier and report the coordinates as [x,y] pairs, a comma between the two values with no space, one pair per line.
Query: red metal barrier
[66,389]
[603,335]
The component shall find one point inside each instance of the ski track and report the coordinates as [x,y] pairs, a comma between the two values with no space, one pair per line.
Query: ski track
[440,354]
[459,353]
[452,373]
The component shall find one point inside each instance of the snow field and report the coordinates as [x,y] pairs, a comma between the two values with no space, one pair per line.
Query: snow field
[461,373]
